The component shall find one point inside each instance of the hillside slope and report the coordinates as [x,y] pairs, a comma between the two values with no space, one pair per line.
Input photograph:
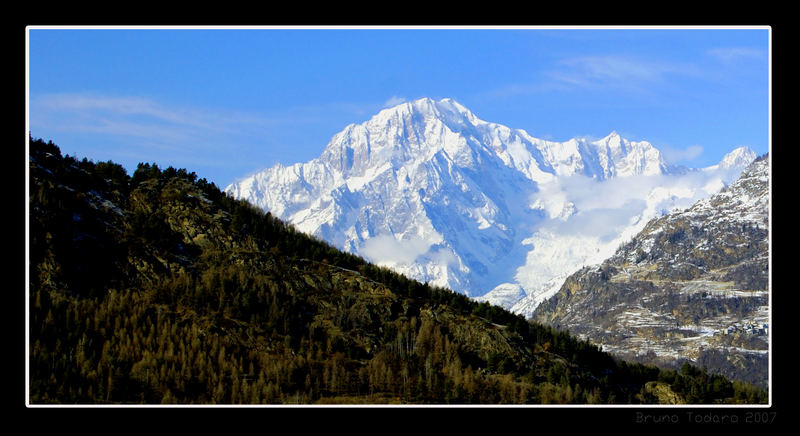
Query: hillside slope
[692,286]
[159,288]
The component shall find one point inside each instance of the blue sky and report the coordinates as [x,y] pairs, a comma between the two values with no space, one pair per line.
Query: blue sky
[226,102]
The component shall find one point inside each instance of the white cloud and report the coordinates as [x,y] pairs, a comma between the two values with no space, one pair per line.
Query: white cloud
[588,194]
[608,68]
[594,207]
[613,72]
[394,101]
[443,256]
[136,116]
[617,71]
[132,129]
[606,214]
[603,223]
[676,155]
[732,54]
[604,208]
[387,248]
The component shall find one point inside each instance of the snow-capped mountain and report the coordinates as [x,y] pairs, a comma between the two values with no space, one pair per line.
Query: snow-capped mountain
[431,190]
[607,215]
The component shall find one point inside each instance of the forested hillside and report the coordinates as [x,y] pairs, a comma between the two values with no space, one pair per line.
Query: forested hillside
[158,288]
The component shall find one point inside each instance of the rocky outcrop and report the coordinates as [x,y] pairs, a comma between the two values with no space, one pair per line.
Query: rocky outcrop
[692,286]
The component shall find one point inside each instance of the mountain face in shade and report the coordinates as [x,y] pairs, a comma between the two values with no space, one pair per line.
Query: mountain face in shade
[432,191]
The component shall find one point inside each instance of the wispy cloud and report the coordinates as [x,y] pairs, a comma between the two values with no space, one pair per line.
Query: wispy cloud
[600,72]
[734,54]
[394,101]
[131,129]
[137,116]
[615,71]
[517,89]
[387,248]
[677,155]
[607,207]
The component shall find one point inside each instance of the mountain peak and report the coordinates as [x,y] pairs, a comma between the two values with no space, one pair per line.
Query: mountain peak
[446,109]
[739,157]
[412,131]
[614,141]
[439,194]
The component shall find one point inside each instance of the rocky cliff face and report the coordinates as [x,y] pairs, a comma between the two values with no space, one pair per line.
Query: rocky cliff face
[692,286]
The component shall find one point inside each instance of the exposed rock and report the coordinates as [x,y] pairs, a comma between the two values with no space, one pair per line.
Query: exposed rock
[692,286]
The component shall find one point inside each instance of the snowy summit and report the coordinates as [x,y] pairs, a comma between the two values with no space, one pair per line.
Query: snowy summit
[434,192]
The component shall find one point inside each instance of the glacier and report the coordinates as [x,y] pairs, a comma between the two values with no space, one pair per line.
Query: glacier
[434,192]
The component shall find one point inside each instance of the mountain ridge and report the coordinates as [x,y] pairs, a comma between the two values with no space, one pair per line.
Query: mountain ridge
[693,285]
[433,191]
